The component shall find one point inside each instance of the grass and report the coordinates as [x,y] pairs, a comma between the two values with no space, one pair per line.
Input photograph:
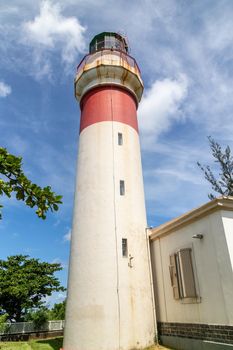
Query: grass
[155,347]
[46,344]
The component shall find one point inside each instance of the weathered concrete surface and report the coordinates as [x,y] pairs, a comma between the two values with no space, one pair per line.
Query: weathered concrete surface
[109,303]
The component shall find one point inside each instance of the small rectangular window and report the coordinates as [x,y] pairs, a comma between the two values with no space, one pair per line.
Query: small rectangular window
[124,248]
[122,187]
[182,274]
[120,139]
[186,273]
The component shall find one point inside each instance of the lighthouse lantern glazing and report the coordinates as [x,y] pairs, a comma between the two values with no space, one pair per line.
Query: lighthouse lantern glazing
[110,297]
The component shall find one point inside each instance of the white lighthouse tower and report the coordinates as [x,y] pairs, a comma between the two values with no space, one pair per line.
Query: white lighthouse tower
[110,299]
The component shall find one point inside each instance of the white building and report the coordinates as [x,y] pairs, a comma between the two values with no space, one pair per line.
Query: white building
[192,262]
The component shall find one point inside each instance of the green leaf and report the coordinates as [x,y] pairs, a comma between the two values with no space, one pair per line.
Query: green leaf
[16,181]
[221,183]
[24,282]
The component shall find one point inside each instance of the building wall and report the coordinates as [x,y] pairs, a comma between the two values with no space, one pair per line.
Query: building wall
[212,262]
[228,227]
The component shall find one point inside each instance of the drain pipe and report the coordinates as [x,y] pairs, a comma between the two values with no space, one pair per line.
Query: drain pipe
[148,229]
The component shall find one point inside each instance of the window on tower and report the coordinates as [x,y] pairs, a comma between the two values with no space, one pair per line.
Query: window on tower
[122,187]
[120,139]
[124,248]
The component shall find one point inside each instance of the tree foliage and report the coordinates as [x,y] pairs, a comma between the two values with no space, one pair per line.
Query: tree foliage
[224,183]
[58,311]
[24,282]
[39,317]
[15,181]
[3,323]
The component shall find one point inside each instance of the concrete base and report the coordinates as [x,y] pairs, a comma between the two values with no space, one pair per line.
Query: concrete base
[192,344]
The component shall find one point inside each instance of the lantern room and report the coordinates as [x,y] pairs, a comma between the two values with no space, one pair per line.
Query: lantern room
[108,40]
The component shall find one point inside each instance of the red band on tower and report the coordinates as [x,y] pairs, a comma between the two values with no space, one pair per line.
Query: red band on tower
[108,103]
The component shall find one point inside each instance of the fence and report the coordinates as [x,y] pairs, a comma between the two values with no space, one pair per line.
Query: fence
[28,327]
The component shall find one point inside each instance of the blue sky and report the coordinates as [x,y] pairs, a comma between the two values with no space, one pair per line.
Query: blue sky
[185,52]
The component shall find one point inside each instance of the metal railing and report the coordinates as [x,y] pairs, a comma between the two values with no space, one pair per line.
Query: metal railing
[29,327]
[108,57]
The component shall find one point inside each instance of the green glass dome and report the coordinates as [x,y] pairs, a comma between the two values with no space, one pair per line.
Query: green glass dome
[108,40]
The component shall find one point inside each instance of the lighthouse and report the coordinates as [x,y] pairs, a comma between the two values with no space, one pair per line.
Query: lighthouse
[110,297]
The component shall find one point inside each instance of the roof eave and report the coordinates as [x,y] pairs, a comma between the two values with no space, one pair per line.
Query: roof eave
[221,203]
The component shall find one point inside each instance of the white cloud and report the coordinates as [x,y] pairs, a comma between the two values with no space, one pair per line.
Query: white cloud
[197,44]
[175,178]
[67,236]
[16,144]
[5,89]
[55,298]
[51,31]
[218,32]
[59,261]
[178,174]
[161,106]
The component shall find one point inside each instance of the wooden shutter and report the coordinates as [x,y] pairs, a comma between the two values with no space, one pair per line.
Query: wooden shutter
[174,277]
